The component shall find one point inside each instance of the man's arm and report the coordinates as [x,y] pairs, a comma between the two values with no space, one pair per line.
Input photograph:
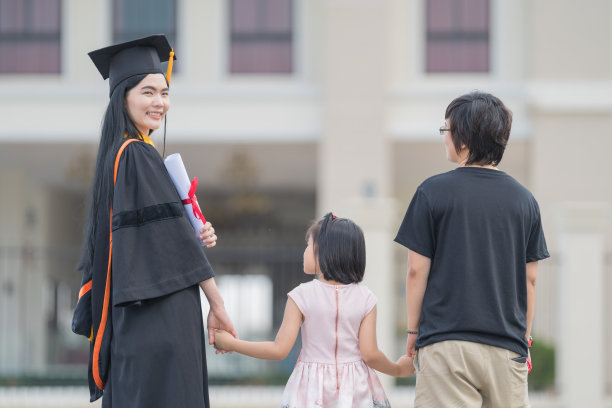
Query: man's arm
[532,271]
[416,283]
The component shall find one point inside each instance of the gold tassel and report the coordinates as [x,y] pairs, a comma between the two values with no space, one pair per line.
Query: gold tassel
[169,70]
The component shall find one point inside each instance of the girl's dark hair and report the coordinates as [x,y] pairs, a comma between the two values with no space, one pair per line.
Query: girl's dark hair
[480,122]
[115,126]
[339,248]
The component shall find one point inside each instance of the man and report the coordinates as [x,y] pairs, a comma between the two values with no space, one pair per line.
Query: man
[474,237]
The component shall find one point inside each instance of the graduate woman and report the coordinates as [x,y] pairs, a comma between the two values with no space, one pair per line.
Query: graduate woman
[142,263]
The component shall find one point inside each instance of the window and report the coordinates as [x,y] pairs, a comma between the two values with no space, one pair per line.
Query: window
[261,37]
[134,19]
[457,36]
[30,36]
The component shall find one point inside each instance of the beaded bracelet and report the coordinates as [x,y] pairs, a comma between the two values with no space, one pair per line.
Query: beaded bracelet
[412,332]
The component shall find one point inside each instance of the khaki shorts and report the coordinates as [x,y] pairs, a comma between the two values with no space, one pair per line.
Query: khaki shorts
[465,374]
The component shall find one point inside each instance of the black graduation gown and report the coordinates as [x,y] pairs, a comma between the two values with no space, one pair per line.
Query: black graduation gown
[147,335]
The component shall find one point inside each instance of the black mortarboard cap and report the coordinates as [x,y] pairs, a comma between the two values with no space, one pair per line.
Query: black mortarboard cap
[142,56]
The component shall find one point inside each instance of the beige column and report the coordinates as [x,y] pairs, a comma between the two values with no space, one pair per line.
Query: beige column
[353,152]
[201,35]
[86,25]
[354,169]
[580,341]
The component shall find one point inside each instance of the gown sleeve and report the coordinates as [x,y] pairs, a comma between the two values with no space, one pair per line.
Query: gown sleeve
[81,319]
[155,250]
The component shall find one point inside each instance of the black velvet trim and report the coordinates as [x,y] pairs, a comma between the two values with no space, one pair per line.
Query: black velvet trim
[142,216]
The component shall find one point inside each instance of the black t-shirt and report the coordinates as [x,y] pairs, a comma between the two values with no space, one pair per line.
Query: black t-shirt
[479,227]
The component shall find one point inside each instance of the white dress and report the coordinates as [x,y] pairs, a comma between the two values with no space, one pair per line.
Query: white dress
[330,372]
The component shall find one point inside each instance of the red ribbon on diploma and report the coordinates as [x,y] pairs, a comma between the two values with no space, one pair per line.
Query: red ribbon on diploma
[191,199]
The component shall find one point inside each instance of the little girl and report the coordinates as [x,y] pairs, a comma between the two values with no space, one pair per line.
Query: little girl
[338,319]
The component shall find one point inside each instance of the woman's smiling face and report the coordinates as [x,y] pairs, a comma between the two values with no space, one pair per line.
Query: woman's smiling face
[148,102]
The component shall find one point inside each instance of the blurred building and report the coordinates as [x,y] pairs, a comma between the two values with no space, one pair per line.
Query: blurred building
[288,109]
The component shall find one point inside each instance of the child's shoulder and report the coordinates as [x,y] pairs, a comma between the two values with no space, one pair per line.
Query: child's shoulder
[368,295]
[315,284]
[365,291]
[305,285]
[301,295]
[362,298]
[301,288]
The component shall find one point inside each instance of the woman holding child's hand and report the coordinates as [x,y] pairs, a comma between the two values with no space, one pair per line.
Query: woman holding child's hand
[223,340]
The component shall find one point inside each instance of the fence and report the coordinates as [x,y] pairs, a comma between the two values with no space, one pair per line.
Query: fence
[254,275]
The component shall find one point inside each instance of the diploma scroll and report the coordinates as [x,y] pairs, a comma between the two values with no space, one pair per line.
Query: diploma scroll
[186,189]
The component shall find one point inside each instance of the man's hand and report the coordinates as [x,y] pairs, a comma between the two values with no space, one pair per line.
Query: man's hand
[410,342]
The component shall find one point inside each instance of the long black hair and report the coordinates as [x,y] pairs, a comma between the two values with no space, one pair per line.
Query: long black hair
[116,124]
[339,248]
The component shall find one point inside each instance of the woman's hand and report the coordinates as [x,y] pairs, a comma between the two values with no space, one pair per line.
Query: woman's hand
[207,235]
[217,316]
[223,340]
[219,319]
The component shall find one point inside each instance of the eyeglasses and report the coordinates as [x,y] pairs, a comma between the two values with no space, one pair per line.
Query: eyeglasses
[442,130]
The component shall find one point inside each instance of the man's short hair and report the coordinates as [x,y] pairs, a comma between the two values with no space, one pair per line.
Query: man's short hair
[480,122]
